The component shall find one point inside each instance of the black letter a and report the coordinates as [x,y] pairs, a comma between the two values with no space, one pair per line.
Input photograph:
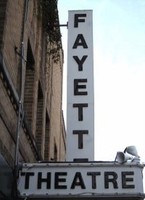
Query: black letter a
[80,41]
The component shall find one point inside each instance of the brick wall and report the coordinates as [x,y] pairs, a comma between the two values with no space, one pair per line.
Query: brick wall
[42,134]
[3,4]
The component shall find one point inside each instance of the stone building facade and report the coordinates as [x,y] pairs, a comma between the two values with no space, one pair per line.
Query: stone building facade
[31,67]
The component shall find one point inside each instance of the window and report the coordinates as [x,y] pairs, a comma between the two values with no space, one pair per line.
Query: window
[39,122]
[29,83]
[55,152]
[47,137]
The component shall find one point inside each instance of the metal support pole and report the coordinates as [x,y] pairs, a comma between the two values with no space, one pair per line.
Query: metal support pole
[19,121]
[20,109]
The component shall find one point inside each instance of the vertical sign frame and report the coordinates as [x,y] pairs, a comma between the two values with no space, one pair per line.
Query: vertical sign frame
[80,87]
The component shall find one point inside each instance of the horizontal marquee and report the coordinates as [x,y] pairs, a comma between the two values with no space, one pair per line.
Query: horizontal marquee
[80,179]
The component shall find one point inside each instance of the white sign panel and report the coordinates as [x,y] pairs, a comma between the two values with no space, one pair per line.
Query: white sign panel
[80,88]
[61,179]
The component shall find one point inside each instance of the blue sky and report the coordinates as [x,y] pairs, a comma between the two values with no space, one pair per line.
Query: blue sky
[119,72]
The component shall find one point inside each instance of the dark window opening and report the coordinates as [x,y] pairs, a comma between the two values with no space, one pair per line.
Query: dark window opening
[47,137]
[39,122]
[29,84]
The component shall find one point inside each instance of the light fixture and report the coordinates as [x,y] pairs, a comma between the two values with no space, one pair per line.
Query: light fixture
[129,155]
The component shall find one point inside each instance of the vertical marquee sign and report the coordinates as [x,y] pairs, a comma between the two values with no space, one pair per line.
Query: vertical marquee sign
[80,89]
